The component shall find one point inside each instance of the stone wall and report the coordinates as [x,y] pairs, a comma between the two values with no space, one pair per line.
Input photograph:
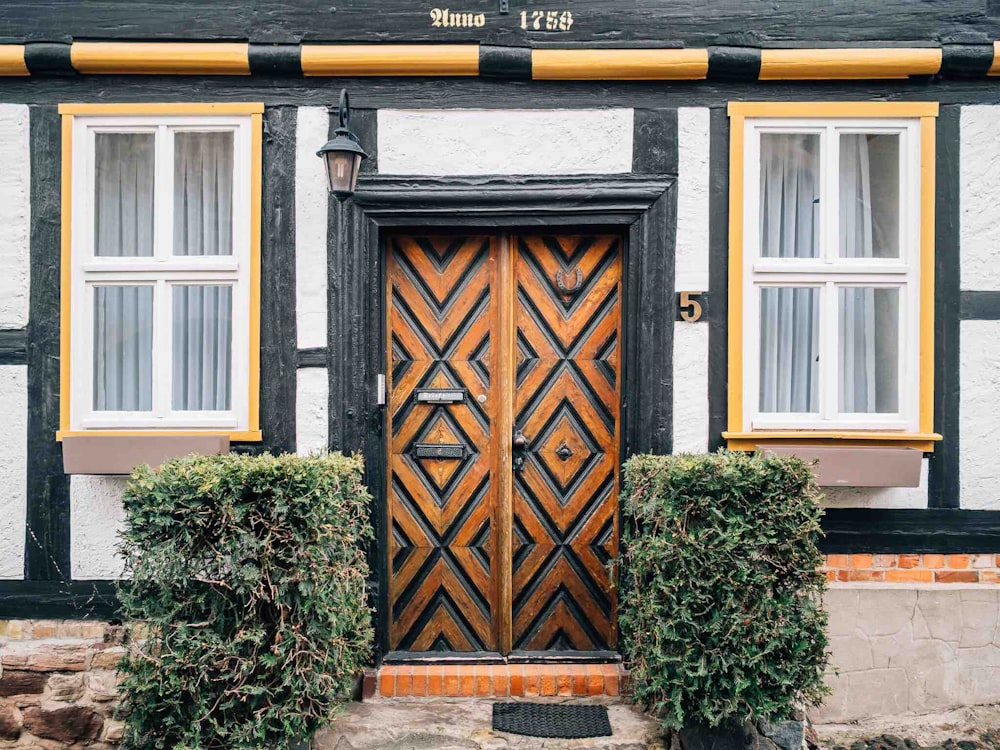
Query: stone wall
[58,685]
[897,650]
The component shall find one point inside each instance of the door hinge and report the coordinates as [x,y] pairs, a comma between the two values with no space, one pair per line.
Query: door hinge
[380,389]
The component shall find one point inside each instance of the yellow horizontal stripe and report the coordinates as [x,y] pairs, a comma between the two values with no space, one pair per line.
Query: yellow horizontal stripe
[848,64]
[390,59]
[995,67]
[241,108]
[619,64]
[235,436]
[12,60]
[172,58]
[833,109]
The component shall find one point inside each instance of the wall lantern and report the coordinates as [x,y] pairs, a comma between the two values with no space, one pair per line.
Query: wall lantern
[343,154]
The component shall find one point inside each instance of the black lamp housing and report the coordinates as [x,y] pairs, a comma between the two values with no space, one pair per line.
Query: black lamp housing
[343,154]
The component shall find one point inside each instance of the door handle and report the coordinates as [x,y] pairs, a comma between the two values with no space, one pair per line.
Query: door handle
[520,445]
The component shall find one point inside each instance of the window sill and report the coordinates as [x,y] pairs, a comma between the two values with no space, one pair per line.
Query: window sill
[119,453]
[235,436]
[748,441]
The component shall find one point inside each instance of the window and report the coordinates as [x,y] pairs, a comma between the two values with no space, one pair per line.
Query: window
[161,266]
[831,272]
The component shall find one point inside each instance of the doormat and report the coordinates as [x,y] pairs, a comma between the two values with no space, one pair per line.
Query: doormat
[551,720]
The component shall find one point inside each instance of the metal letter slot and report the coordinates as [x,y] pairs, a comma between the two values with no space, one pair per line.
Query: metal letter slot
[440,395]
[438,450]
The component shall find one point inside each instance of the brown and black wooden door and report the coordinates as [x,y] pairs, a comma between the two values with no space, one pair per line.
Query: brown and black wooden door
[503,431]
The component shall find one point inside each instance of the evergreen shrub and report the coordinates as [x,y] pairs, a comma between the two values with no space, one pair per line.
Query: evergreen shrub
[720,608]
[249,573]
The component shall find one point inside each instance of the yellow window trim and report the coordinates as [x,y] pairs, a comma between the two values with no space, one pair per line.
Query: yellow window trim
[736,436]
[68,111]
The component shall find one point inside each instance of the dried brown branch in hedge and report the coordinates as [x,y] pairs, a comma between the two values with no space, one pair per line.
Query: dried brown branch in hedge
[720,609]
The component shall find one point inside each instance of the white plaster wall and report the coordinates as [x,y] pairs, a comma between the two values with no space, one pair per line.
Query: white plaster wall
[96,517]
[504,142]
[690,387]
[979,432]
[898,649]
[979,168]
[692,199]
[312,427]
[13,464]
[15,214]
[311,205]
[879,497]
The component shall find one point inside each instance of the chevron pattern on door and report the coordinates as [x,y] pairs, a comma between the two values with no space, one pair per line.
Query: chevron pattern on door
[567,402]
[486,554]
[441,323]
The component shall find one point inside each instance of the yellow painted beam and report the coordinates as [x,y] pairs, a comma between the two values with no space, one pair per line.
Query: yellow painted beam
[390,59]
[833,109]
[848,64]
[164,108]
[170,58]
[619,64]
[12,60]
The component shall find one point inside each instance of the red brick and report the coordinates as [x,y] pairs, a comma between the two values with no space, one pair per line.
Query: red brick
[865,575]
[418,681]
[532,680]
[484,682]
[404,687]
[435,681]
[884,562]
[466,681]
[549,685]
[387,682]
[450,675]
[836,561]
[579,675]
[862,561]
[957,576]
[517,680]
[989,576]
[933,561]
[595,679]
[909,561]
[909,576]
[501,679]
[958,561]
[611,677]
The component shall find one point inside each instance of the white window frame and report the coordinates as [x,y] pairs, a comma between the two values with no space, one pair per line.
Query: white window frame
[162,271]
[828,272]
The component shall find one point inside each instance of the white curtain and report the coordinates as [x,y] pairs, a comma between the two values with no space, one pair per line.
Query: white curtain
[123,194]
[789,316]
[868,323]
[203,193]
[202,347]
[123,348]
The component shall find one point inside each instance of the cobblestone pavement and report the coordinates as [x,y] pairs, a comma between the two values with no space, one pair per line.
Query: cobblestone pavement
[465,725]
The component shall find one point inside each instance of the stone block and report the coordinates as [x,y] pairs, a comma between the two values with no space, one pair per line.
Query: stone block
[71,724]
[10,723]
[103,686]
[841,605]
[41,656]
[12,629]
[66,687]
[868,695]
[850,653]
[107,658]
[884,611]
[787,735]
[21,683]
[885,648]
[938,615]
[113,731]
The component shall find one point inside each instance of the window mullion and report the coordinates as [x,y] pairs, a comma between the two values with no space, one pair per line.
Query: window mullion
[830,200]
[829,380]
[164,193]
[162,370]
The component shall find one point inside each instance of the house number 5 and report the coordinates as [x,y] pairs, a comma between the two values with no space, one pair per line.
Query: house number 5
[689,306]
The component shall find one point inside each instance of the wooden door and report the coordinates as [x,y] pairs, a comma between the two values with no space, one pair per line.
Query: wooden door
[497,544]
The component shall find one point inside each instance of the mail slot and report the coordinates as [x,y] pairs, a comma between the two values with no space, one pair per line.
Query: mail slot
[440,395]
[439,450]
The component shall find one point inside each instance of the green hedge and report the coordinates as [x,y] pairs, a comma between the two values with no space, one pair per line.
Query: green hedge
[249,572]
[720,605]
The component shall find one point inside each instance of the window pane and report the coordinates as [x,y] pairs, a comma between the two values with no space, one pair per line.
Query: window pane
[203,193]
[123,194]
[789,349]
[789,195]
[869,350]
[869,195]
[123,348]
[202,361]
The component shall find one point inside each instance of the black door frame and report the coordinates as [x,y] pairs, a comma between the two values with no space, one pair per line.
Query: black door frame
[643,207]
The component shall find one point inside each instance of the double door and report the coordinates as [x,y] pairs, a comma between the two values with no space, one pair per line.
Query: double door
[503,430]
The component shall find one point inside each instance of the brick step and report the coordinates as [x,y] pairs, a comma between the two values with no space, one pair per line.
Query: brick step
[495,680]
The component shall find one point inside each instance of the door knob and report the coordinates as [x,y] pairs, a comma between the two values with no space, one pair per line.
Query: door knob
[520,440]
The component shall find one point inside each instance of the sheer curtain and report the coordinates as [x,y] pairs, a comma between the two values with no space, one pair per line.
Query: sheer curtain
[123,194]
[123,348]
[203,193]
[789,316]
[202,347]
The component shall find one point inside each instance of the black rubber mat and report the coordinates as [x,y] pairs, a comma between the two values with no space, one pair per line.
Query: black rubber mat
[551,720]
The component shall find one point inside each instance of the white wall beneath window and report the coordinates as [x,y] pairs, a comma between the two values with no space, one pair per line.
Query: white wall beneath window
[312,424]
[13,466]
[979,166]
[692,199]
[95,508]
[879,497]
[15,214]
[311,205]
[504,142]
[690,416]
[979,431]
